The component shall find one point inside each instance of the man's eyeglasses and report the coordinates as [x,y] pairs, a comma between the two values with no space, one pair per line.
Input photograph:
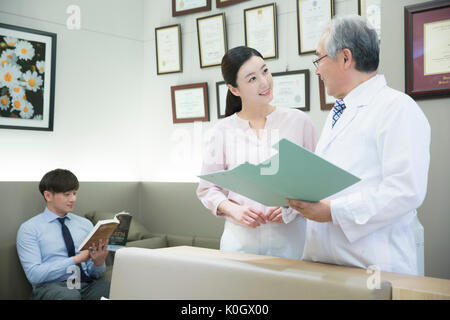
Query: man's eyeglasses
[316,62]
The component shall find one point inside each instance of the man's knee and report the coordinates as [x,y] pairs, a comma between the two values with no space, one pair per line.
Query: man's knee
[56,291]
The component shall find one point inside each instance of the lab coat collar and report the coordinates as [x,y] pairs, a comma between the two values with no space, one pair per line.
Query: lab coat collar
[359,97]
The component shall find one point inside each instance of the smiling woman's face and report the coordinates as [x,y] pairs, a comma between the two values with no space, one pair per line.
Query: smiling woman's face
[254,82]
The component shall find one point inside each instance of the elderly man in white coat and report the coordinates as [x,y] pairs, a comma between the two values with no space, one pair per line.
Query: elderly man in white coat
[378,134]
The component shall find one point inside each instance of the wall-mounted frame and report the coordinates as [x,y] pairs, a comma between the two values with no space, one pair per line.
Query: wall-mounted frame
[190,102]
[221,96]
[261,30]
[225,3]
[427,49]
[27,78]
[310,15]
[371,10]
[346,7]
[182,7]
[212,40]
[326,101]
[291,89]
[168,49]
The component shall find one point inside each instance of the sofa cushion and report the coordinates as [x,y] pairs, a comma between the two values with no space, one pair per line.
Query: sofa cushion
[137,229]
[211,243]
[149,243]
[174,240]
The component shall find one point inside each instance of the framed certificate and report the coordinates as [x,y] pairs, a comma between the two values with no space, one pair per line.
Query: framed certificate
[371,10]
[427,49]
[212,40]
[326,101]
[261,30]
[168,49]
[190,102]
[221,94]
[291,89]
[181,7]
[346,7]
[224,3]
[310,15]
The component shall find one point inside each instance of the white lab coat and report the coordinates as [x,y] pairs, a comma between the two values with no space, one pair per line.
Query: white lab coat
[382,137]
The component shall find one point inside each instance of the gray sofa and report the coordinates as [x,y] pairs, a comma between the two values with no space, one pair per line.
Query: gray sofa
[158,220]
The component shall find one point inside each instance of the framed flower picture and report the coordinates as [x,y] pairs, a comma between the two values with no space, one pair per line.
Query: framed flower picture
[27,78]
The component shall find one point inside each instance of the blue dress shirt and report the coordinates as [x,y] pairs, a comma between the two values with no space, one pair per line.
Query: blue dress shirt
[42,250]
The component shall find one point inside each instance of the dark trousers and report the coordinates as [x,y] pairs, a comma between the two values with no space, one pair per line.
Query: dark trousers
[60,291]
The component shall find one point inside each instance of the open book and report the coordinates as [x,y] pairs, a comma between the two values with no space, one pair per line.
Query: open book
[104,229]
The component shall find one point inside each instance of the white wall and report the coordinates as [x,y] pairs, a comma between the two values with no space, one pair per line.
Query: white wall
[98,92]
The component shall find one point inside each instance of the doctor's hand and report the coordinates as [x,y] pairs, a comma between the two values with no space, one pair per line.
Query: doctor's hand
[274,215]
[245,215]
[317,211]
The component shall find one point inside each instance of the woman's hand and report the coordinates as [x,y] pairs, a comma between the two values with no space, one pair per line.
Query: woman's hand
[245,215]
[274,215]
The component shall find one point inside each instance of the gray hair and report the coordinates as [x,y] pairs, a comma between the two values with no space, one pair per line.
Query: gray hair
[356,34]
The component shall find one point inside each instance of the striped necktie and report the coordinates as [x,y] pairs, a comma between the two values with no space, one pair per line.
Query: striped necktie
[338,109]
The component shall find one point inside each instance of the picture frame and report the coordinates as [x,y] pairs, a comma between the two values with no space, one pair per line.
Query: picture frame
[190,102]
[182,7]
[291,89]
[326,101]
[310,14]
[226,3]
[261,32]
[212,40]
[371,10]
[346,7]
[169,57]
[221,98]
[427,67]
[27,78]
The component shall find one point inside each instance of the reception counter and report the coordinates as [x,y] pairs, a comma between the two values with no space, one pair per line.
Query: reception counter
[199,273]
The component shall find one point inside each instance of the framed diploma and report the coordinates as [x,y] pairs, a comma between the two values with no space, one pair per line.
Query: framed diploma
[346,7]
[427,49]
[212,40]
[181,7]
[326,101]
[224,3]
[371,10]
[291,89]
[190,102]
[310,15]
[168,49]
[221,94]
[261,30]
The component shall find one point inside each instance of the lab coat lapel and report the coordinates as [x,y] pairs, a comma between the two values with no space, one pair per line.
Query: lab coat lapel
[330,134]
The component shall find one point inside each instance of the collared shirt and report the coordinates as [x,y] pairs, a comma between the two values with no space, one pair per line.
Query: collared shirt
[42,250]
[382,137]
[232,142]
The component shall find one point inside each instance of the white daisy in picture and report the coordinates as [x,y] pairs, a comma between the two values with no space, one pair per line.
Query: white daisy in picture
[27,111]
[9,75]
[32,80]
[24,50]
[17,91]
[4,103]
[18,104]
[11,41]
[8,57]
[40,66]
[37,117]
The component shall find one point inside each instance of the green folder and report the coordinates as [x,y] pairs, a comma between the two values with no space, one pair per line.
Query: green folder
[293,173]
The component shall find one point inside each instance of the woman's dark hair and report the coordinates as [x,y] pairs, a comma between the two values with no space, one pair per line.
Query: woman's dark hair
[231,63]
[58,180]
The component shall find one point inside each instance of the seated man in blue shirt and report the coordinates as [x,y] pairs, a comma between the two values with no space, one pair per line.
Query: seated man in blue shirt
[47,242]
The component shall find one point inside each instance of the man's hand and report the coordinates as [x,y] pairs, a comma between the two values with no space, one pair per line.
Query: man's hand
[98,254]
[83,256]
[316,211]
